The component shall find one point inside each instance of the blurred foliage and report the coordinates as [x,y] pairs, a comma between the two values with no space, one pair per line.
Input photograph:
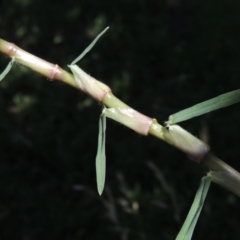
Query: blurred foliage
[159,57]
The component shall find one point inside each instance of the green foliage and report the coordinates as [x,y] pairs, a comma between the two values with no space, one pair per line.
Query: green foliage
[89,47]
[6,70]
[101,158]
[221,101]
[193,215]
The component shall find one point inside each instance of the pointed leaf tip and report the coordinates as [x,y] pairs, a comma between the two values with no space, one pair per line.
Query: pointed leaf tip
[195,210]
[101,158]
[89,47]
[6,70]
[213,104]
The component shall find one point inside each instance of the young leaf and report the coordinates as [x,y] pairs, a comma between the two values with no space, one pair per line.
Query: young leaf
[192,217]
[221,101]
[6,70]
[101,158]
[85,82]
[89,47]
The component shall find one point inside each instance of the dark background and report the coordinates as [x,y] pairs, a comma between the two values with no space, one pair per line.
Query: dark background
[159,57]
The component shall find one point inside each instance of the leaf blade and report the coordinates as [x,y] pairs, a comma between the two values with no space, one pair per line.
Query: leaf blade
[101,157]
[193,215]
[213,104]
[89,47]
[6,70]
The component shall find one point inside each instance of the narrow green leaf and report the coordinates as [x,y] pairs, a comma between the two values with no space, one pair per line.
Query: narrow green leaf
[6,70]
[221,101]
[89,47]
[192,217]
[101,158]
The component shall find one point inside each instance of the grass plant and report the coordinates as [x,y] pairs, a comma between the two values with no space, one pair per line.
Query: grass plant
[220,172]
